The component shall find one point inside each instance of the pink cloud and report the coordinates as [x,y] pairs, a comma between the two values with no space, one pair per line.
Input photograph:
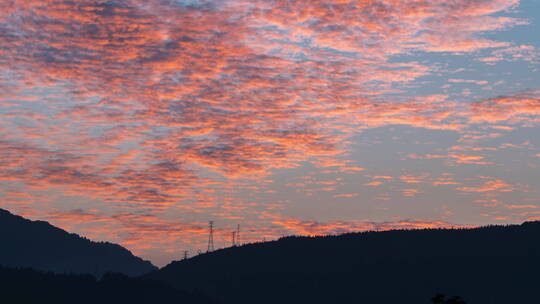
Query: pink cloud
[496,185]
[147,106]
[519,108]
[301,227]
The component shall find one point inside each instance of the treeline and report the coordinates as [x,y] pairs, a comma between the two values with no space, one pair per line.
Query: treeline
[35,287]
[488,265]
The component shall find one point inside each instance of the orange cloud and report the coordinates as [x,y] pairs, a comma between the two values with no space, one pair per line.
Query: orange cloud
[183,95]
[490,186]
[478,82]
[522,206]
[150,106]
[408,179]
[410,192]
[520,108]
[522,52]
[374,183]
[346,195]
[456,158]
[300,227]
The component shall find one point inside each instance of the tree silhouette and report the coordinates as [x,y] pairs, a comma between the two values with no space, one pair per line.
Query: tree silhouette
[500,261]
[442,299]
[24,286]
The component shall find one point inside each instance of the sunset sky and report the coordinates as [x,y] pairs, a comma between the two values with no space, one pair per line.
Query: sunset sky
[138,121]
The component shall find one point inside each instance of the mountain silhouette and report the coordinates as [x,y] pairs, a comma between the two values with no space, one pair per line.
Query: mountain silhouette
[494,264]
[41,246]
[24,286]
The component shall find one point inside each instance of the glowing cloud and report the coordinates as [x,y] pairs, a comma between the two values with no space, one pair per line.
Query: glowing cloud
[149,111]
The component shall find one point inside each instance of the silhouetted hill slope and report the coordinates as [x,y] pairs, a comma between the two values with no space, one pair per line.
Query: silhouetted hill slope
[496,264]
[23,286]
[39,245]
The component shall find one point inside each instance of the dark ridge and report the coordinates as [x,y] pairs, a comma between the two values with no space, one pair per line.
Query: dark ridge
[31,286]
[40,245]
[494,264]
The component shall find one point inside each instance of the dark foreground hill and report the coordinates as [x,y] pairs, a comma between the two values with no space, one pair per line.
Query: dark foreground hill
[496,264]
[39,245]
[26,286]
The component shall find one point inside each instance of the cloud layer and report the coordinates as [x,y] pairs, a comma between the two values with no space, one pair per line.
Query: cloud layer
[153,106]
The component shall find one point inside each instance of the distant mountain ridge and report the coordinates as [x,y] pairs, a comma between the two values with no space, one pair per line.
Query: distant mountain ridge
[42,246]
[487,265]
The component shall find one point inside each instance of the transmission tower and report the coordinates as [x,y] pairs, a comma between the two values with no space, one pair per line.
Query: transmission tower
[233,238]
[210,236]
[238,234]
[185,254]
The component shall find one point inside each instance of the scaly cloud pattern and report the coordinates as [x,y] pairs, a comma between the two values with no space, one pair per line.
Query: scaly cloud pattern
[149,118]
